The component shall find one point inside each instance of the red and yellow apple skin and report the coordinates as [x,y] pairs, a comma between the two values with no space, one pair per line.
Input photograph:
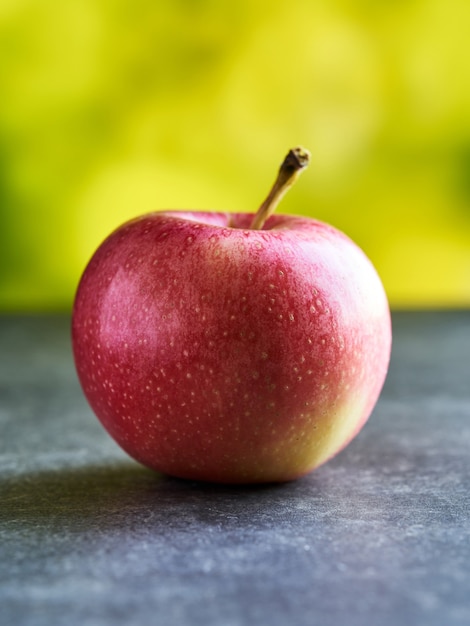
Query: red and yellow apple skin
[213,352]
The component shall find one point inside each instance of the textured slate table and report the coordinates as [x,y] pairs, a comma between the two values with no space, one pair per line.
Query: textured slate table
[380,535]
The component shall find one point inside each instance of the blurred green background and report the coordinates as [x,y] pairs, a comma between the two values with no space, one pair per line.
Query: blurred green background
[110,109]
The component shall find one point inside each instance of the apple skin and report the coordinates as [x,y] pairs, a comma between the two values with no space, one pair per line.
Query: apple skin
[213,352]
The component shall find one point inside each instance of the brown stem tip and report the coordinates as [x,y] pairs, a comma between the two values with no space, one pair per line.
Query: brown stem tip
[295,162]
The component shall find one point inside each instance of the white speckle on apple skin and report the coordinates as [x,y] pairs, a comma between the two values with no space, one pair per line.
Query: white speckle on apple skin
[193,339]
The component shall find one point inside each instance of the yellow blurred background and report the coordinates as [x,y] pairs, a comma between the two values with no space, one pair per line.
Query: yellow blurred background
[113,108]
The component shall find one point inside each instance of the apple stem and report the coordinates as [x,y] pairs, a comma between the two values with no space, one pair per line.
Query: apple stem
[295,162]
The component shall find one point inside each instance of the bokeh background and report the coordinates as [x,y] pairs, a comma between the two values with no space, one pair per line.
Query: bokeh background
[113,108]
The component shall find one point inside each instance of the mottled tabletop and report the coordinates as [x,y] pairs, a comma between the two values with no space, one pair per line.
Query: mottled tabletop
[379,535]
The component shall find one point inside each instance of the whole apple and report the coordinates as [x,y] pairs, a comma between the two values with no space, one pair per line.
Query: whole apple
[231,347]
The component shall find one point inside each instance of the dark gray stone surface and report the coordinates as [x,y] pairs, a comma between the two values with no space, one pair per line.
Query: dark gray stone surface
[379,535]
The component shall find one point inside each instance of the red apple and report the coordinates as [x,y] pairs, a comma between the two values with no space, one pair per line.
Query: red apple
[227,348]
